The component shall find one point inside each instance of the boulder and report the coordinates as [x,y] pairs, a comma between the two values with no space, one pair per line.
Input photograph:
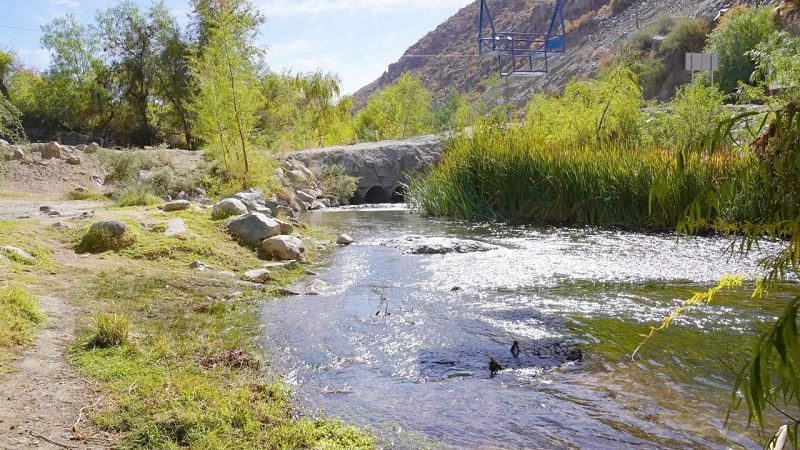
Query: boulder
[228,207]
[252,228]
[285,227]
[61,226]
[305,196]
[257,275]
[344,239]
[296,178]
[177,205]
[284,247]
[200,265]
[16,253]
[80,147]
[74,160]
[111,226]
[252,198]
[93,147]
[4,143]
[317,205]
[52,150]
[18,153]
[420,245]
[175,226]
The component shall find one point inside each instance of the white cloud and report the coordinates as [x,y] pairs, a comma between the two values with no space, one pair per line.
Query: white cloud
[67,3]
[285,8]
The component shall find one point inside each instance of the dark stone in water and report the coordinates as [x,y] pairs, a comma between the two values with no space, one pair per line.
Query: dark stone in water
[421,245]
[494,366]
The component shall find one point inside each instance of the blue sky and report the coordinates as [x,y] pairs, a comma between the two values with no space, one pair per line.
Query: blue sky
[357,39]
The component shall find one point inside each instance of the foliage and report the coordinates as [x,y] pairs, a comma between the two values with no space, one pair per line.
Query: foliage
[741,31]
[454,114]
[107,330]
[590,112]
[693,115]
[10,124]
[777,61]
[228,94]
[20,316]
[400,110]
[336,183]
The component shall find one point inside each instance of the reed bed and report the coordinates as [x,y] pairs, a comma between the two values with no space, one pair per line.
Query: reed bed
[511,174]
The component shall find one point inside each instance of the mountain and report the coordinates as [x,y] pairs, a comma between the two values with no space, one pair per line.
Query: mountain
[447,58]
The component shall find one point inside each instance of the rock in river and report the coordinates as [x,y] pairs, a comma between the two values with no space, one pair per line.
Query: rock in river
[421,245]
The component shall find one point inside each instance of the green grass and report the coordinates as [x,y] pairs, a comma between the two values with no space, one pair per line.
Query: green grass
[108,330]
[99,240]
[20,317]
[512,175]
[190,373]
[86,194]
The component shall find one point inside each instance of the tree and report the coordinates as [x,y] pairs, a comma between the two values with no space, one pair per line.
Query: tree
[10,125]
[740,31]
[228,95]
[401,110]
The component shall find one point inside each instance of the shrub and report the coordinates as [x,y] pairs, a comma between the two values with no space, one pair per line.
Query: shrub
[741,31]
[108,330]
[337,184]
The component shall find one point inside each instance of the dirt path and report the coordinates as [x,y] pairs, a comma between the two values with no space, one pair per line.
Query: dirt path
[43,400]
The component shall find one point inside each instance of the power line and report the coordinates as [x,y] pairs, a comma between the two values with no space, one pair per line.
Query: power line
[375,54]
[20,28]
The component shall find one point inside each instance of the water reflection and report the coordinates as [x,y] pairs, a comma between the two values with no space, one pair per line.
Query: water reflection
[414,367]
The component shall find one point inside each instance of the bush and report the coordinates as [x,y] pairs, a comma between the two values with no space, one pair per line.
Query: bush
[337,184]
[741,31]
[108,330]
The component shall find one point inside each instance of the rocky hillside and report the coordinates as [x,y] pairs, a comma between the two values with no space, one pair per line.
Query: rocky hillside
[595,29]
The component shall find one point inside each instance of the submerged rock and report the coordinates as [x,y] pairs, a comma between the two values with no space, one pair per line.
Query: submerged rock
[421,245]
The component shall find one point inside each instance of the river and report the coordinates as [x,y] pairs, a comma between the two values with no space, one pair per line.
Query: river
[400,344]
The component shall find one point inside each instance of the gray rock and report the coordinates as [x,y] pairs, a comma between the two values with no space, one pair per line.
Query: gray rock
[252,198]
[80,147]
[18,153]
[93,147]
[284,247]
[111,226]
[287,292]
[175,226]
[177,205]
[52,150]
[74,160]
[344,239]
[285,227]
[326,202]
[61,226]
[305,196]
[274,264]
[420,245]
[182,196]
[252,228]
[200,265]
[257,275]
[16,253]
[286,211]
[228,207]
[4,143]
[263,210]
[296,178]
[166,198]
[45,209]
[98,179]
[317,205]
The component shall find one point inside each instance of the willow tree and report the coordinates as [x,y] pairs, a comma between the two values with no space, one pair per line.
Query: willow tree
[228,94]
[10,126]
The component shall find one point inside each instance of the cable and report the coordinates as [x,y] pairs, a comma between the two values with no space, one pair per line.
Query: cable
[20,28]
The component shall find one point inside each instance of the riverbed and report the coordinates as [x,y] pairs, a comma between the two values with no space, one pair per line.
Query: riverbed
[400,343]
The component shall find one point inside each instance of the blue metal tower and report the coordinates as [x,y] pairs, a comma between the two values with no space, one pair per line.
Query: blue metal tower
[521,53]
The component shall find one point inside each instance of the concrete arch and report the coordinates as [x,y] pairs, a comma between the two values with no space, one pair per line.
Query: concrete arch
[377,194]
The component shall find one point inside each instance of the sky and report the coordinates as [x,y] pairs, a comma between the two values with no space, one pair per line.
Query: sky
[356,39]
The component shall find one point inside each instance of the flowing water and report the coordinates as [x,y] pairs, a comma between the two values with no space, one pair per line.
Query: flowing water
[400,344]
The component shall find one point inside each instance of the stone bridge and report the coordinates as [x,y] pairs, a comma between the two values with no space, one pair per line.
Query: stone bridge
[382,168]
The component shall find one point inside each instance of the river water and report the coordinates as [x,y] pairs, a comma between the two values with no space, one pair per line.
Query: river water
[400,344]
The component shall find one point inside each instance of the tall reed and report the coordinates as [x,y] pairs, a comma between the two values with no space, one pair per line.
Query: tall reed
[511,174]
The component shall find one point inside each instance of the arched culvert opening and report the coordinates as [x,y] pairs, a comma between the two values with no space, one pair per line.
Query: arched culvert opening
[377,194]
[399,195]
[356,199]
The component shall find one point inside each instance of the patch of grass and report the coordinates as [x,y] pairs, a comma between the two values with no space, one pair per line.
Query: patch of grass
[30,237]
[107,330]
[15,195]
[86,194]
[98,240]
[20,317]
[137,196]
[193,377]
